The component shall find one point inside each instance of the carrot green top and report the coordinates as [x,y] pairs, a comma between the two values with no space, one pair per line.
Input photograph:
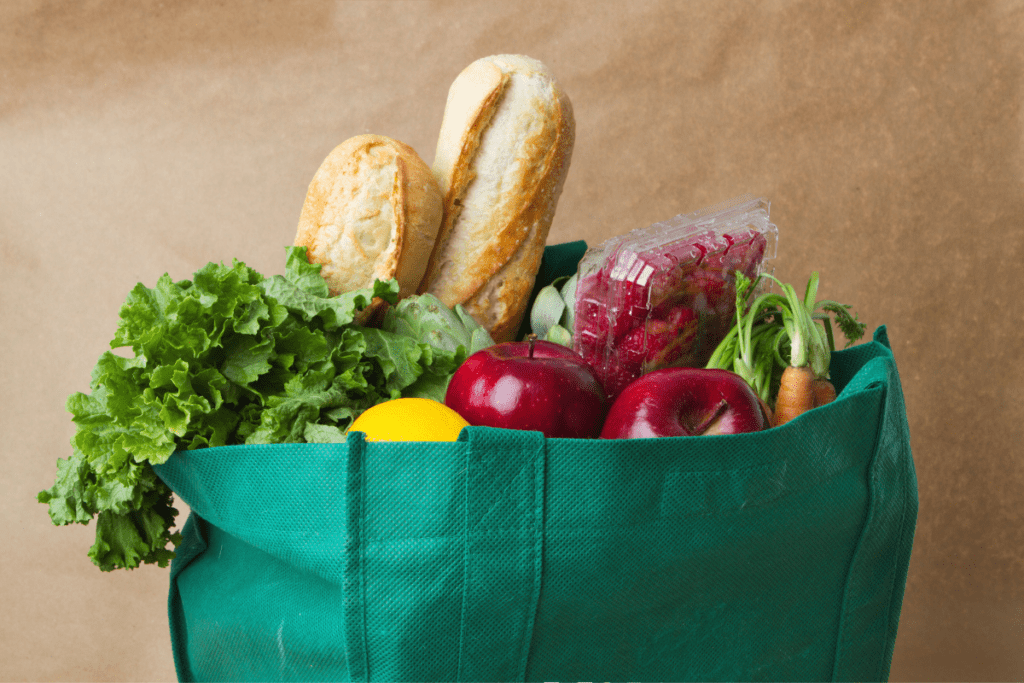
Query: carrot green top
[777,330]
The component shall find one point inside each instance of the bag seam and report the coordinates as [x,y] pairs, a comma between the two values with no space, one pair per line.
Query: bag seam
[182,669]
[892,583]
[537,545]
[355,614]
[886,661]
[868,520]
[465,559]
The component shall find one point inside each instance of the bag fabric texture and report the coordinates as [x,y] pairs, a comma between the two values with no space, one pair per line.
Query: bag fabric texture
[505,556]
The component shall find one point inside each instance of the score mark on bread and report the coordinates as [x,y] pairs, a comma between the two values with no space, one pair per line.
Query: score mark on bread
[502,156]
[372,211]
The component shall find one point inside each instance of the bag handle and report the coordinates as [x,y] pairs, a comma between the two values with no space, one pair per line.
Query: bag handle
[503,552]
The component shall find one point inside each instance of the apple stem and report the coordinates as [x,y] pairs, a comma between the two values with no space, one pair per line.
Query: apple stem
[717,413]
[532,338]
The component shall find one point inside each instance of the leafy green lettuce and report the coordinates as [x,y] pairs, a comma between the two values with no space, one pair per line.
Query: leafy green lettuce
[234,357]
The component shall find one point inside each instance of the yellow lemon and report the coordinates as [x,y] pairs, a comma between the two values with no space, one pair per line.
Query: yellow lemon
[409,419]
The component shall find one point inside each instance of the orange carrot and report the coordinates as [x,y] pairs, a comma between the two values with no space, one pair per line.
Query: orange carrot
[824,391]
[800,391]
[770,326]
[795,395]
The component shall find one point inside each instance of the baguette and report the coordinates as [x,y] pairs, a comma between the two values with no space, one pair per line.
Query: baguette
[502,157]
[372,211]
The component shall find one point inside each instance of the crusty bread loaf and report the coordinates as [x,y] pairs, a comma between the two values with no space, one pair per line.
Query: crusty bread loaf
[502,157]
[372,211]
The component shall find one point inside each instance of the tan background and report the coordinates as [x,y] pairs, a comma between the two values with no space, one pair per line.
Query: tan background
[138,137]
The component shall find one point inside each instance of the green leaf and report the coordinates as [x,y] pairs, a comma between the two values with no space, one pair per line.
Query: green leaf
[559,335]
[125,541]
[424,318]
[429,385]
[851,328]
[775,331]
[247,357]
[333,312]
[396,355]
[69,497]
[232,357]
[303,274]
[568,291]
[318,433]
[548,309]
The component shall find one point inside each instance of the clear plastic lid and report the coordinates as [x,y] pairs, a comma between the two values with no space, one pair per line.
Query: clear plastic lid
[665,295]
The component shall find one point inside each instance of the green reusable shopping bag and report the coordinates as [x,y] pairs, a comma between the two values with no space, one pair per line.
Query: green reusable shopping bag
[779,555]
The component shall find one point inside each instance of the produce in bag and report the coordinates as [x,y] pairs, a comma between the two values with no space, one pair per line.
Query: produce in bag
[664,295]
[232,357]
[778,347]
[778,555]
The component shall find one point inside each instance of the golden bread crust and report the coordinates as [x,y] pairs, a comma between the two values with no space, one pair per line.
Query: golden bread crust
[502,157]
[372,211]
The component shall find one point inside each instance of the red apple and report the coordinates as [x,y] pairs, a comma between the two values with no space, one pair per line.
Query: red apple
[684,402]
[534,385]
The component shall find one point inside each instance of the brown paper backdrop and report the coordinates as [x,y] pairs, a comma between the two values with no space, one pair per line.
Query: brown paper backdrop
[138,137]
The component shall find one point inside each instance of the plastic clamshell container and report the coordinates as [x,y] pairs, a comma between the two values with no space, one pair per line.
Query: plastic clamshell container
[665,295]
